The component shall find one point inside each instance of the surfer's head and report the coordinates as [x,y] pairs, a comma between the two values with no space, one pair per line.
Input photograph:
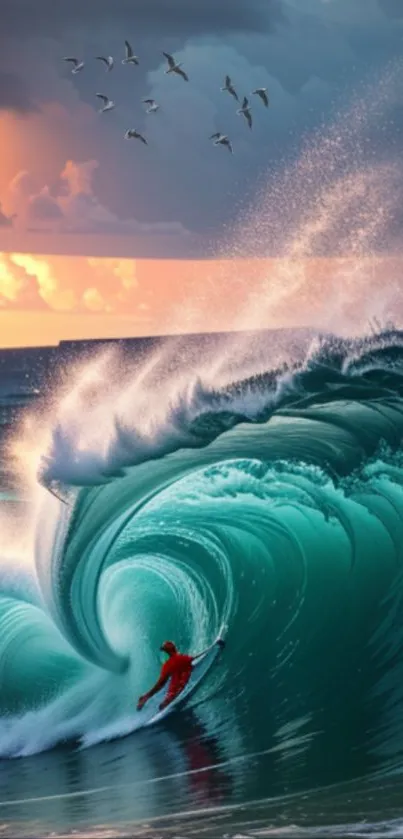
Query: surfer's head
[168,647]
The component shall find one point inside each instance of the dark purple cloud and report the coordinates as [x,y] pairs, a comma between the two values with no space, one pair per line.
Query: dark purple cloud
[311,55]
[15,94]
[48,17]
[392,8]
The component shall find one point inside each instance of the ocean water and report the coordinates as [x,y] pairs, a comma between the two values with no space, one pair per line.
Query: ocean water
[271,502]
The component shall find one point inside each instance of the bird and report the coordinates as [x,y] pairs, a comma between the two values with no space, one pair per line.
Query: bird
[133,134]
[222,140]
[245,111]
[174,67]
[262,92]
[152,106]
[228,86]
[108,104]
[108,61]
[78,65]
[130,58]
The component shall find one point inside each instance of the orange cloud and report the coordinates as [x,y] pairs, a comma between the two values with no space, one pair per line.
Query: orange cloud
[37,144]
[11,284]
[101,297]
[68,284]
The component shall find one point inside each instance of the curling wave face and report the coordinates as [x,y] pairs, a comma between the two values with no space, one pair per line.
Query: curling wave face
[275,506]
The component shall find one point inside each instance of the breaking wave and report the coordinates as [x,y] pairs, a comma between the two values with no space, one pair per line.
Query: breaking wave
[274,504]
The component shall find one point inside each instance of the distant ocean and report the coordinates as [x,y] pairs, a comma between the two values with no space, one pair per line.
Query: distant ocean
[258,484]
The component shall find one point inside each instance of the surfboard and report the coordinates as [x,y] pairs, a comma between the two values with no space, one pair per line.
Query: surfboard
[151,713]
[55,495]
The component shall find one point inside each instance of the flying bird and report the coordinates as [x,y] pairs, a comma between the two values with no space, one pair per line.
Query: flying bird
[152,106]
[107,60]
[133,134]
[130,57]
[245,111]
[78,65]
[222,140]
[175,67]
[262,93]
[229,87]
[108,104]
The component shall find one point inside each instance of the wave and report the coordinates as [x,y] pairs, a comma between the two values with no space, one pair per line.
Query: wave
[273,504]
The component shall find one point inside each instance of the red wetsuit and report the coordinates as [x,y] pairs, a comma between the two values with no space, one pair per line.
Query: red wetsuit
[178,669]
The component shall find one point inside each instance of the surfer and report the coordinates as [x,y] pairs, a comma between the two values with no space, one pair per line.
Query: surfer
[178,669]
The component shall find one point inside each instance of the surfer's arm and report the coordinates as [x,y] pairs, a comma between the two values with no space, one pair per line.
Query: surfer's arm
[218,643]
[199,655]
[157,687]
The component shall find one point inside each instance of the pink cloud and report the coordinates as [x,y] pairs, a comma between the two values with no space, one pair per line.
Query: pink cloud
[69,205]
[5,221]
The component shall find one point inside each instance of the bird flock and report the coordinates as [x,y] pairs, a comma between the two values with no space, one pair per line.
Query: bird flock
[152,106]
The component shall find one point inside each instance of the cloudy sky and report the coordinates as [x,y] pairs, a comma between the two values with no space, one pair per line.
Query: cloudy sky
[70,183]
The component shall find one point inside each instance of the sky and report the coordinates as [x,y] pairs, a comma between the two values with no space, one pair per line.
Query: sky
[114,237]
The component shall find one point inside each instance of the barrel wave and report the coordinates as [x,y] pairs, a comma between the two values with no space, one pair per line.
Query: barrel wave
[274,505]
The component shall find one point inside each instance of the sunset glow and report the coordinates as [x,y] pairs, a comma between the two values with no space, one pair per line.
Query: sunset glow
[104,238]
[48,298]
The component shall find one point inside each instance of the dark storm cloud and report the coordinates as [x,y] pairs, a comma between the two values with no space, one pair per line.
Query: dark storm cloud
[311,55]
[15,94]
[392,8]
[46,17]
[79,23]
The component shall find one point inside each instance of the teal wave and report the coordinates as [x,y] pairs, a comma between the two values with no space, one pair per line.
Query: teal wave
[275,506]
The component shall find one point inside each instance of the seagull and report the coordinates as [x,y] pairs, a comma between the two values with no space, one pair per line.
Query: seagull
[222,140]
[152,105]
[78,65]
[108,61]
[262,92]
[133,134]
[230,88]
[174,67]
[130,58]
[245,111]
[108,104]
